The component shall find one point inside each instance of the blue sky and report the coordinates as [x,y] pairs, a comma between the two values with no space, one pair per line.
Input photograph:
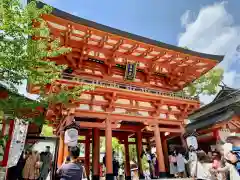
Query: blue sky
[210,26]
[156,19]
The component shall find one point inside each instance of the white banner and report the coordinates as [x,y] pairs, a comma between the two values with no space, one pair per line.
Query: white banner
[18,142]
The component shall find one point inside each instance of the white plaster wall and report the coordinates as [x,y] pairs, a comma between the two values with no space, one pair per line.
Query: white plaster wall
[40,146]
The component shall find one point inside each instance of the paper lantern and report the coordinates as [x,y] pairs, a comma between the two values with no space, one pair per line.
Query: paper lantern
[71,137]
[192,141]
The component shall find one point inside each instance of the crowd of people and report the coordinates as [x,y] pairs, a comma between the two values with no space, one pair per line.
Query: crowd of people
[221,164]
[32,165]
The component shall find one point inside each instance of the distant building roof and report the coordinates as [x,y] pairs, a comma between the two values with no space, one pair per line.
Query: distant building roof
[222,108]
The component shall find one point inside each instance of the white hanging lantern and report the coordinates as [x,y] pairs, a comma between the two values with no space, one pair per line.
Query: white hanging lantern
[192,141]
[71,137]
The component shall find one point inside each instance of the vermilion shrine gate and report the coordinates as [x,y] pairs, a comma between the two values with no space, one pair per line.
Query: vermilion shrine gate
[137,88]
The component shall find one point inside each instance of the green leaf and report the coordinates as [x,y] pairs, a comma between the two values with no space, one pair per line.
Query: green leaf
[22,57]
[207,84]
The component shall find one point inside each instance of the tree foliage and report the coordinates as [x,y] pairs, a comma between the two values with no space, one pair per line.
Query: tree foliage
[15,105]
[26,45]
[207,84]
[47,131]
[26,50]
[119,148]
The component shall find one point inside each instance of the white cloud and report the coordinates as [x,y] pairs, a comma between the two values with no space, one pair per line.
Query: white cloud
[214,32]
[186,18]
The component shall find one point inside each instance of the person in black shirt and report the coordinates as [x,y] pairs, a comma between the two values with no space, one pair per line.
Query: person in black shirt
[116,166]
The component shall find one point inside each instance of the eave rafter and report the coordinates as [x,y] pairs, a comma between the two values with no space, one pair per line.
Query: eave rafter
[110,47]
[232,124]
[236,124]
[103,41]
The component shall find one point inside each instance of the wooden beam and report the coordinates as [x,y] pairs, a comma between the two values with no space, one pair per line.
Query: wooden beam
[116,117]
[131,135]
[127,106]
[170,130]
[237,122]
[94,125]
[173,100]
[113,126]
[83,141]
[234,124]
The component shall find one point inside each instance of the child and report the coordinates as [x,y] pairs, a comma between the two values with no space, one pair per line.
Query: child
[216,164]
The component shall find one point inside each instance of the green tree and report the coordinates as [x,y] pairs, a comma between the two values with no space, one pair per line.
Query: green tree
[116,146]
[47,131]
[207,84]
[133,153]
[26,49]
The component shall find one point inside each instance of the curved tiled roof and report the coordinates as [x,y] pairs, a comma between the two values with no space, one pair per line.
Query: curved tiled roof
[101,27]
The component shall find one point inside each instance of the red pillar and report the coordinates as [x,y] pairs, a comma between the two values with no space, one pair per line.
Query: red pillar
[109,158]
[60,150]
[87,155]
[184,143]
[165,151]
[96,154]
[139,152]
[9,132]
[65,152]
[127,159]
[215,134]
[159,151]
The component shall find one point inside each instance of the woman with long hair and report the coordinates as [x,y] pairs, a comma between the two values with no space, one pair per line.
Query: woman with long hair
[172,163]
[31,170]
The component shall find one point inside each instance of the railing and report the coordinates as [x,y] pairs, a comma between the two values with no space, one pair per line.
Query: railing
[126,86]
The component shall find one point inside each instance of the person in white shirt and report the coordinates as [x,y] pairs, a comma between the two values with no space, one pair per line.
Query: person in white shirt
[181,161]
[201,167]
[192,154]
